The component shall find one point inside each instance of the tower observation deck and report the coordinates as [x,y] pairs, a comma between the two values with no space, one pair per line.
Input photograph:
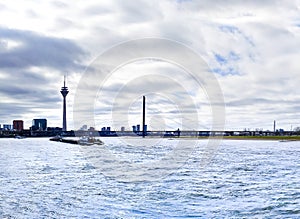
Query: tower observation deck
[64,92]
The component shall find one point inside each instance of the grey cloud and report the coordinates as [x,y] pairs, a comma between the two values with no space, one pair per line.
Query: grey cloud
[223,5]
[96,10]
[39,50]
[286,110]
[2,7]
[27,78]
[260,101]
[12,111]
[150,83]
[64,23]
[247,102]
[32,14]
[59,4]
[136,13]
[13,90]
[32,95]
[159,93]
[126,12]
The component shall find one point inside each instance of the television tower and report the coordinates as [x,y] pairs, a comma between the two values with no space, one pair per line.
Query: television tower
[64,92]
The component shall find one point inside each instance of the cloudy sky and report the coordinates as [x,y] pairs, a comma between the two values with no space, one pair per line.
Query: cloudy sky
[250,47]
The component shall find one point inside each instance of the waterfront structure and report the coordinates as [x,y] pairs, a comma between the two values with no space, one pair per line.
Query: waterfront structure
[6,127]
[39,125]
[18,125]
[106,129]
[54,129]
[64,92]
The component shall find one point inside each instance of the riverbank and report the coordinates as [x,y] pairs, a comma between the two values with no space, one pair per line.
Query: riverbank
[262,138]
[270,138]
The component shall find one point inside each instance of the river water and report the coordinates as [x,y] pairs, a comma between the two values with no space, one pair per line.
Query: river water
[143,178]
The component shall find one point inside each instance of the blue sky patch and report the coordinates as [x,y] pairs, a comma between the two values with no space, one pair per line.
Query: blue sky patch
[220,59]
[229,29]
[223,60]
[233,56]
[225,63]
[226,71]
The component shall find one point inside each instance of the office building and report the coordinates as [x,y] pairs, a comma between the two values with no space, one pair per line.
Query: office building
[134,128]
[18,125]
[39,125]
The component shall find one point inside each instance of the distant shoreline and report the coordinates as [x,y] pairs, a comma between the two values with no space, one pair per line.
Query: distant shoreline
[261,138]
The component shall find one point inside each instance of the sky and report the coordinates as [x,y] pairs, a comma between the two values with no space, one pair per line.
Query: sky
[250,47]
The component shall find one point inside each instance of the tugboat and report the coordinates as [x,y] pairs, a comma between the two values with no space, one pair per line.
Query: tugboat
[85,140]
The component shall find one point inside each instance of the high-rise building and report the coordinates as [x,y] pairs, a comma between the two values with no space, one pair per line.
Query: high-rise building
[91,129]
[6,127]
[84,128]
[18,125]
[64,92]
[134,128]
[39,124]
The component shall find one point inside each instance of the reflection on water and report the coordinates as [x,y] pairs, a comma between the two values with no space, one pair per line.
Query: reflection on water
[245,179]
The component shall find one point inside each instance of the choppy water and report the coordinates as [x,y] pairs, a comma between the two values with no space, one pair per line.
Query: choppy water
[136,178]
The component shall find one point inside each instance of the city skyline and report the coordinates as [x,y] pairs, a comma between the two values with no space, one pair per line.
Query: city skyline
[250,47]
